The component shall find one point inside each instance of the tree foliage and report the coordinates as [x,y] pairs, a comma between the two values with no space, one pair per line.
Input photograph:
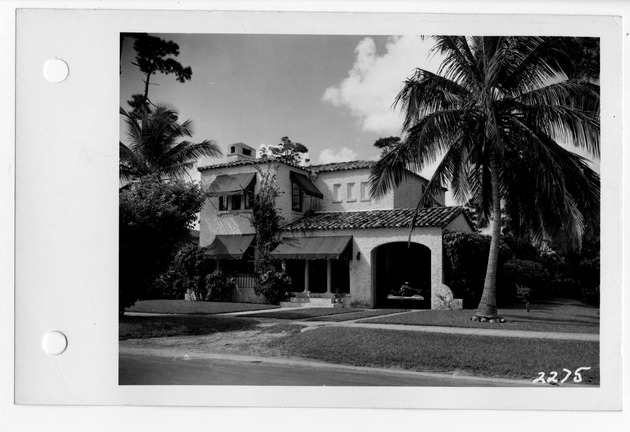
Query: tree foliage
[287,151]
[273,283]
[525,273]
[465,260]
[154,55]
[219,286]
[154,220]
[191,265]
[386,144]
[157,145]
[497,115]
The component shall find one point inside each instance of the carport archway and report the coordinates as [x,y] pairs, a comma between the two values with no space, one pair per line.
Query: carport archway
[395,263]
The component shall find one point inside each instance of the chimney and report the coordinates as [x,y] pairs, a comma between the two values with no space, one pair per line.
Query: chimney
[239,152]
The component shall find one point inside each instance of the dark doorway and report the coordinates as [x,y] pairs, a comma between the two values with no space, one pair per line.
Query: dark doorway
[395,264]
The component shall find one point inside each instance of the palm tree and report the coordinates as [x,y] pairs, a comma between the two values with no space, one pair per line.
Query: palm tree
[156,145]
[497,112]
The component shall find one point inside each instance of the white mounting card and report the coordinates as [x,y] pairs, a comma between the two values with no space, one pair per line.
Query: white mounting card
[67,207]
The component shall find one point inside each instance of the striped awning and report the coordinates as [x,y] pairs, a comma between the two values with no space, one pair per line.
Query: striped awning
[229,246]
[230,184]
[306,185]
[313,248]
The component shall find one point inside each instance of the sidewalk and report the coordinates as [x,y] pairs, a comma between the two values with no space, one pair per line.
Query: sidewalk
[494,332]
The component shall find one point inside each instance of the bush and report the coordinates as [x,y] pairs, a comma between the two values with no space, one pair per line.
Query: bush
[154,219]
[465,262]
[219,286]
[273,284]
[524,294]
[591,295]
[191,265]
[167,286]
[575,275]
[526,273]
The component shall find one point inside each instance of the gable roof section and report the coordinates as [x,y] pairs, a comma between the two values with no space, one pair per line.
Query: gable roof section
[436,217]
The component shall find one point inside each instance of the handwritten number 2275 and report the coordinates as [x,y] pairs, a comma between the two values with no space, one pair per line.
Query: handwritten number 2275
[553,375]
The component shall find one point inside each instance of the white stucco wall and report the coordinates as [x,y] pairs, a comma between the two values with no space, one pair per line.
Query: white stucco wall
[460,224]
[325,182]
[365,241]
[408,193]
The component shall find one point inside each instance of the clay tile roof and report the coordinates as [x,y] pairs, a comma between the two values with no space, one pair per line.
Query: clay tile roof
[258,161]
[342,166]
[437,217]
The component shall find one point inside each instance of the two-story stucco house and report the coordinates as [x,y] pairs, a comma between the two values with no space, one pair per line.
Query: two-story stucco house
[337,238]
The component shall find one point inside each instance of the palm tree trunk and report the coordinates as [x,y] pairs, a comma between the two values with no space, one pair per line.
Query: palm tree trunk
[488,304]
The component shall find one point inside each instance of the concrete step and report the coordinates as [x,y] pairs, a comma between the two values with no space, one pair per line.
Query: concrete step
[293,305]
[308,302]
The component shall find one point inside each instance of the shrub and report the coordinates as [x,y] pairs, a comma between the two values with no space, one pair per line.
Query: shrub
[465,261]
[590,295]
[154,219]
[273,284]
[526,273]
[191,266]
[219,286]
[576,274]
[524,294]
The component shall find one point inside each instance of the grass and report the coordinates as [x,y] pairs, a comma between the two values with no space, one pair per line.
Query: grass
[546,317]
[302,313]
[353,315]
[513,358]
[194,307]
[142,327]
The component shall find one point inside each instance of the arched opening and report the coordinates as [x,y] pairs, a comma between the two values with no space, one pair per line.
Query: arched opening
[396,264]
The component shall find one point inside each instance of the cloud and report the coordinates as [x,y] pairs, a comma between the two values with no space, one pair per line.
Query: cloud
[330,155]
[375,79]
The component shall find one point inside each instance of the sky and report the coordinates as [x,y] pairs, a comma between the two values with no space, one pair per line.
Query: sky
[332,93]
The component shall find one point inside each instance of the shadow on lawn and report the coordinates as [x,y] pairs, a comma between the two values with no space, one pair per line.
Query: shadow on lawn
[141,327]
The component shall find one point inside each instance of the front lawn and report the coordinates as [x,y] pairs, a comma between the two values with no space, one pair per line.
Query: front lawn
[142,327]
[546,317]
[515,358]
[194,307]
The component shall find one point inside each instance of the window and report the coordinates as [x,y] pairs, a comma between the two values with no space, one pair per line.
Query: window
[247,152]
[365,191]
[223,203]
[236,202]
[351,192]
[233,149]
[336,189]
[297,196]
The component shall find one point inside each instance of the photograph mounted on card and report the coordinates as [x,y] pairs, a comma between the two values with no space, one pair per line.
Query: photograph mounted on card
[318,210]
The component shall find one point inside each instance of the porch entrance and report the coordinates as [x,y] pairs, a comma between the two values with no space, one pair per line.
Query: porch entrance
[397,265]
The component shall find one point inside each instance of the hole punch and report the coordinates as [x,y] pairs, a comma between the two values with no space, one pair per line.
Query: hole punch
[56,70]
[54,343]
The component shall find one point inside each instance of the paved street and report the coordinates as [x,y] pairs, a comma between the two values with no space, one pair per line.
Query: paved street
[148,369]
